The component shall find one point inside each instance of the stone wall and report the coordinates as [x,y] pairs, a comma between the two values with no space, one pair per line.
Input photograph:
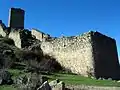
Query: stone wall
[88,54]
[73,53]
[21,38]
[39,35]
[106,62]
[15,35]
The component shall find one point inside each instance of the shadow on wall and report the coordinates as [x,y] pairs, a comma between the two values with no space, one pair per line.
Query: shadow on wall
[105,56]
[36,61]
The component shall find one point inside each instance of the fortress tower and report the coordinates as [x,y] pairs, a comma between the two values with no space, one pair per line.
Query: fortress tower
[16,18]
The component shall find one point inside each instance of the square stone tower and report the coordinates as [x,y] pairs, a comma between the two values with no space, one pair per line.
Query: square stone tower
[16,18]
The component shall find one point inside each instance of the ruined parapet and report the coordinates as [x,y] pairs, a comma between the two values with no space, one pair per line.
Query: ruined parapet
[16,18]
[20,37]
[90,54]
[39,35]
[2,29]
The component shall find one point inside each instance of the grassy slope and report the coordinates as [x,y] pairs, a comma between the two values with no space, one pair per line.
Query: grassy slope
[7,87]
[77,79]
[69,79]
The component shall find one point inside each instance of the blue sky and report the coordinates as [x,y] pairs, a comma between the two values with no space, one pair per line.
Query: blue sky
[68,17]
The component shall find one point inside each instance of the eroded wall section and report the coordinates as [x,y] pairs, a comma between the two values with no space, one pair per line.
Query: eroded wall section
[15,35]
[21,37]
[39,35]
[73,53]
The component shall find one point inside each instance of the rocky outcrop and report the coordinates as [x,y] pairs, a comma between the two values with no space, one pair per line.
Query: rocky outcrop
[45,86]
[35,81]
[57,85]
[53,85]
[5,77]
[7,55]
[29,82]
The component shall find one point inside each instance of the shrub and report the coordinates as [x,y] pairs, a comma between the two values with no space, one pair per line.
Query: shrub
[7,56]
[7,41]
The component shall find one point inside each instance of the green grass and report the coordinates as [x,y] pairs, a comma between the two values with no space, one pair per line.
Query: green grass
[73,79]
[7,87]
[69,79]
[15,72]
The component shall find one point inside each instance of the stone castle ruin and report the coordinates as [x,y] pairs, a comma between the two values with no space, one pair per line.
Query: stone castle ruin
[89,54]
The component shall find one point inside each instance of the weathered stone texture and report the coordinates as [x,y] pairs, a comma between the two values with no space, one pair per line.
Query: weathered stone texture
[21,38]
[57,85]
[89,54]
[15,35]
[39,35]
[73,53]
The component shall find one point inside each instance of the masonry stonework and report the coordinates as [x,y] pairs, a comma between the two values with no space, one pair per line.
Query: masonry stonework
[89,54]
[20,37]
[39,35]
[15,35]
[73,53]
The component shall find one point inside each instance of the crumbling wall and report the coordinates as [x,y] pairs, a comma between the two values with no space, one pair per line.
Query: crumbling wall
[15,35]
[73,53]
[39,35]
[21,37]
[91,53]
